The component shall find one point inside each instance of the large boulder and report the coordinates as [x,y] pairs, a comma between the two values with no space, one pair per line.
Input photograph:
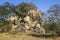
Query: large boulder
[31,22]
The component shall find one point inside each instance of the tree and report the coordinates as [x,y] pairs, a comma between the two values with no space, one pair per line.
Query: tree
[54,12]
[23,8]
[53,19]
[3,11]
[6,8]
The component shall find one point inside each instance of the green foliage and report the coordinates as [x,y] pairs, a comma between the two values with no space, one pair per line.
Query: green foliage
[3,11]
[58,27]
[6,8]
[23,8]
[50,27]
[53,23]
[5,26]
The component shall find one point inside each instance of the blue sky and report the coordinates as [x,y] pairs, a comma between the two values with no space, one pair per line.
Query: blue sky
[42,5]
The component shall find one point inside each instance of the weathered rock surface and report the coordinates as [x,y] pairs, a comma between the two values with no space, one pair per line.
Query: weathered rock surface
[31,22]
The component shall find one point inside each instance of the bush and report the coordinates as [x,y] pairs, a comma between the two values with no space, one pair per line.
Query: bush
[5,26]
[51,27]
[58,27]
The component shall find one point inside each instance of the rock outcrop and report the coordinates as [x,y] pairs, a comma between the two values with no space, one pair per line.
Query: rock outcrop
[31,22]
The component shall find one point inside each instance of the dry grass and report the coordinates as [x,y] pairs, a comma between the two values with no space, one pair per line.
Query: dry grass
[6,36]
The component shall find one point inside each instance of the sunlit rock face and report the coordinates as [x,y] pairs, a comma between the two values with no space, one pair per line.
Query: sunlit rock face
[31,22]
[35,14]
[12,18]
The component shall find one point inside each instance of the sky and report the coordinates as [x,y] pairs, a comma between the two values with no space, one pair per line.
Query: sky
[42,5]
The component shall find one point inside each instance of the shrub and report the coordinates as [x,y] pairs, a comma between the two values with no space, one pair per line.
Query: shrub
[5,26]
[51,27]
[58,27]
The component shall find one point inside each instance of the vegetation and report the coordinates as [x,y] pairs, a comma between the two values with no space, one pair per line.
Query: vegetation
[21,10]
[5,26]
[49,20]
